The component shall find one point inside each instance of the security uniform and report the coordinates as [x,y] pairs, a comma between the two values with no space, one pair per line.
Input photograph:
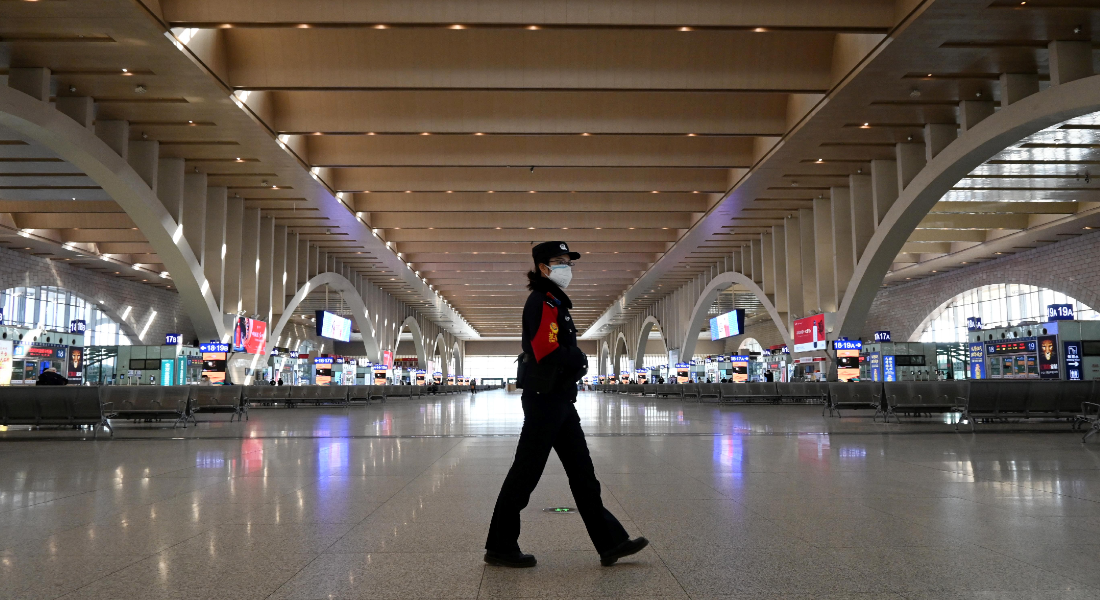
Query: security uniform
[550,420]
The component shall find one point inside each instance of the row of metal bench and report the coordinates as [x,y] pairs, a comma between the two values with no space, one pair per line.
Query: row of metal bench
[975,400]
[771,392]
[95,406]
[1078,402]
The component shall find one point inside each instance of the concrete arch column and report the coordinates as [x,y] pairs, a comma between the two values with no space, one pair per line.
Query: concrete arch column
[349,294]
[418,338]
[620,341]
[643,338]
[699,312]
[456,354]
[977,144]
[76,144]
[439,346]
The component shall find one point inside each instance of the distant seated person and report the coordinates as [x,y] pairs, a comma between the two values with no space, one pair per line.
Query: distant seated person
[205,380]
[272,382]
[51,377]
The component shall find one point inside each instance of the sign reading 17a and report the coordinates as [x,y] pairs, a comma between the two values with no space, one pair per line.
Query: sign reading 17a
[1060,312]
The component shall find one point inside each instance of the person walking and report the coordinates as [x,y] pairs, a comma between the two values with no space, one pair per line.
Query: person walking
[551,365]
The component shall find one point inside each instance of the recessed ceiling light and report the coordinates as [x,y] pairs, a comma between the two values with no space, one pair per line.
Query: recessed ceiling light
[381,26]
[457,26]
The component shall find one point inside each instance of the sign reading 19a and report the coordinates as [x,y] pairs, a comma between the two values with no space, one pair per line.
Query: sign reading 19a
[1060,312]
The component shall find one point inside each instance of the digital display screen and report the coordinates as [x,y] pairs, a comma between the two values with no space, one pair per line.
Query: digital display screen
[739,368]
[1010,347]
[727,325]
[333,326]
[847,364]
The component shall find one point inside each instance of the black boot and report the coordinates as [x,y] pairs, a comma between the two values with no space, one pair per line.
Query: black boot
[624,549]
[516,560]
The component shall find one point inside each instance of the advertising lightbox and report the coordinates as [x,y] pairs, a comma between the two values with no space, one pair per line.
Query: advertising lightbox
[322,370]
[809,334]
[739,368]
[727,325]
[333,326]
[847,359]
[214,357]
[249,335]
[683,372]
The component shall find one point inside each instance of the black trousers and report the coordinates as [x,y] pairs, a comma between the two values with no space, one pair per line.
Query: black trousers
[552,424]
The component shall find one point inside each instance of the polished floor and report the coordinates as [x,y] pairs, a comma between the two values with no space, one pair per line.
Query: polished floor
[394,500]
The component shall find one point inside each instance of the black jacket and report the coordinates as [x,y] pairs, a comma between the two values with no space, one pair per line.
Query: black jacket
[550,341]
[51,378]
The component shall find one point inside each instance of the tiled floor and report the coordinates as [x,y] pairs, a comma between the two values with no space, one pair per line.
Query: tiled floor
[393,501]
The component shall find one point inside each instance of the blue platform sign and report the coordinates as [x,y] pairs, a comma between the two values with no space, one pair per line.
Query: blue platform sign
[213,347]
[882,336]
[1073,360]
[876,366]
[973,323]
[889,372]
[78,326]
[1060,312]
[977,360]
[173,339]
[847,345]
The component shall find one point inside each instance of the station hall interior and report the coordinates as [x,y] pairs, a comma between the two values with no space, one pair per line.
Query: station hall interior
[264,266]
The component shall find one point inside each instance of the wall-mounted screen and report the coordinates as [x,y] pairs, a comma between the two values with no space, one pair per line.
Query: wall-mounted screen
[333,326]
[727,325]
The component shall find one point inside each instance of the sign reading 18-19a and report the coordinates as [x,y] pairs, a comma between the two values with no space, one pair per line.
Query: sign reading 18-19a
[1060,312]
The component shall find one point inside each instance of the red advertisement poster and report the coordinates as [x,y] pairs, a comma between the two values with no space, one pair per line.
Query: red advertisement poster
[809,334]
[249,335]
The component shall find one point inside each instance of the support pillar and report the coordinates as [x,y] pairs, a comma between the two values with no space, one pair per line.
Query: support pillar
[938,136]
[757,261]
[824,256]
[193,216]
[34,82]
[264,282]
[767,252]
[809,266]
[303,263]
[278,270]
[793,251]
[143,156]
[1069,61]
[290,274]
[213,255]
[78,108]
[884,186]
[910,161]
[234,234]
[972,112]
[250,257]
[1017,86]
[170,178]
[844,263]
[863,213]
[779,263]
[116,134]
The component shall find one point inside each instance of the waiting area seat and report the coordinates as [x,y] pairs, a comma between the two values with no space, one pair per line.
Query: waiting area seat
[37,406]
[992,400]
[148,402]
[925,397]
[216,399]
[855,395]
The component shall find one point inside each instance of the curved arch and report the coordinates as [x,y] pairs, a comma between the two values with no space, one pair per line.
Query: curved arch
[349,294]
[961,288]
[107,307]
[706,299]
[456,354]
[80,147]
[439,346]
[977,145]
[418,339]
[620,340]
[604,357]
[643,338]
[749,342]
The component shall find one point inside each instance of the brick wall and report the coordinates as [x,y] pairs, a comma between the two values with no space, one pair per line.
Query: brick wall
[21,269]
[1071,267]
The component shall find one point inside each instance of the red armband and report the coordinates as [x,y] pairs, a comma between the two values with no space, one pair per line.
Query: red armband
[546,339]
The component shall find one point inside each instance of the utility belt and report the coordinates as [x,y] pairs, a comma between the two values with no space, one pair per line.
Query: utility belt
[541,379]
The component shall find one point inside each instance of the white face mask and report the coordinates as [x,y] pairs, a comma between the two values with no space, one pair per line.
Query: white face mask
[561,275]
